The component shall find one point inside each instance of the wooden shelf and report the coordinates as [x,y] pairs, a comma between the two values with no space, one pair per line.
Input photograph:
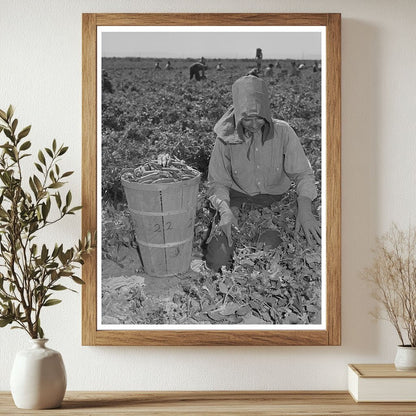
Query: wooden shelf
[265,403]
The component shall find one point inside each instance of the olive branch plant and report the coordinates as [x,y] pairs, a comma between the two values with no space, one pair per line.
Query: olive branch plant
[393,277]
[31,272]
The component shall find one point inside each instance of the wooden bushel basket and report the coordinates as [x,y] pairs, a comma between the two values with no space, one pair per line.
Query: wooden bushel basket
[164,217]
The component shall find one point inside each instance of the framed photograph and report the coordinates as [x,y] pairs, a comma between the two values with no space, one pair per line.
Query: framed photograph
[211,172]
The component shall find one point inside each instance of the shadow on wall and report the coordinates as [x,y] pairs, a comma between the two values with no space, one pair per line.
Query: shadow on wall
[361,59]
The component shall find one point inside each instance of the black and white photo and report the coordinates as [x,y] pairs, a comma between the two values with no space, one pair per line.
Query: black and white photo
[211,183]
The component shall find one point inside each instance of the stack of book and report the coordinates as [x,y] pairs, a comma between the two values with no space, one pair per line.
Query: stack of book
[381,383]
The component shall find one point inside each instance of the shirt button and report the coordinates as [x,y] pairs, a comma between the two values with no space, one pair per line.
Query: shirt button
[257,149]
[258,167]
[258,183]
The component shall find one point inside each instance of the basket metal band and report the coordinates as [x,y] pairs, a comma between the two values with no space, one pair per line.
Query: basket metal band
[157,214]
[177,243]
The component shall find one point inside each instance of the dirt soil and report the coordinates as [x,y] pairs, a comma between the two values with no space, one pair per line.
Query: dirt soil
[126,287]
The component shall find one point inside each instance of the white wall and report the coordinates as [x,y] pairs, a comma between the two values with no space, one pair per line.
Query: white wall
[40,73]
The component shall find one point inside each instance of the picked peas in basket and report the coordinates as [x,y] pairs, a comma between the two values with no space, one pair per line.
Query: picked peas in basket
[164,169]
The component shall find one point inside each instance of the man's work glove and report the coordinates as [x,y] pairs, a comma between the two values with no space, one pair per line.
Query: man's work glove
[227,218]
[306,221]
[163,159]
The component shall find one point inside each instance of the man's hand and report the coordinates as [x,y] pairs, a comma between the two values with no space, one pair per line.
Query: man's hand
[163,159]
[307,221]
[227,218]
[227,221]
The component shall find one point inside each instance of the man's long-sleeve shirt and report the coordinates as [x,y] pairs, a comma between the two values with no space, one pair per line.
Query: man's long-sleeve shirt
[255,167]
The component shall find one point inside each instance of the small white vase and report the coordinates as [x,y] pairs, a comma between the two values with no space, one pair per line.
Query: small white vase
[38,377]
[405,358]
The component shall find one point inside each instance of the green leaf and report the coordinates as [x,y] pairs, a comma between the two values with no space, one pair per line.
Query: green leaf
[63,150]
[40,332]
[41,157]
[10,112]
[77,208]
[34,226]
[51,302]
[62,257]
[67,174]
[37,183]
[4,298]
[39,167]
[14,125]
[45,211]
[44,253]
[76,279]
[68,199]
[5,321]
[59,287]
[49,151]
[25,145]
[57,249]
[33,187]
[24,132]
[8,133]
[56,185]
[58,199]
[54,145]
[3,115]
[3,214]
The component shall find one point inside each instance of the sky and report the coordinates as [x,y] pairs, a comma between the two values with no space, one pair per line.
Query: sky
[178,44]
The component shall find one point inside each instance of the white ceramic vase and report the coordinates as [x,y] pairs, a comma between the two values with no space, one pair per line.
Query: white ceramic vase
[38,377]
[405,358]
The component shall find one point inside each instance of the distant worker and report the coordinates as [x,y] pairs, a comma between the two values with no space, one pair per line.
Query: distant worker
[197,70]
[168,66]
[253,72]
[219,67]
[106,84]
[316,66]
[268,72]
[301,66]
[157,65]
[294,72]
[203,61]
[259,58]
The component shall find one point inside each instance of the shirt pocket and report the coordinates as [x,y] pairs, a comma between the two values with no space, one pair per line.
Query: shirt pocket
[241,168]
[242,175]
[274,176]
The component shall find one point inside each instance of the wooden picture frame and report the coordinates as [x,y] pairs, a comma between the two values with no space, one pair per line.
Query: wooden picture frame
[331,334]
